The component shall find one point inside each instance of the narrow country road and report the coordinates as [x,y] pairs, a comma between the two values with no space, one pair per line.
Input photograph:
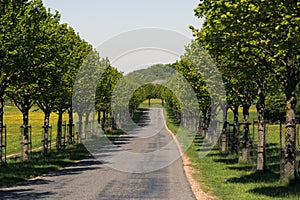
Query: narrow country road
[156,174]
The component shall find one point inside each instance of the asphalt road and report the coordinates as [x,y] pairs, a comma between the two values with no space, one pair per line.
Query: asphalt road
[144,164]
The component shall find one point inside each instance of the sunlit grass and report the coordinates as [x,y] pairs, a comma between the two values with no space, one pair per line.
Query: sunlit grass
[252,115]
[154,103]
[13,121]
[222,175]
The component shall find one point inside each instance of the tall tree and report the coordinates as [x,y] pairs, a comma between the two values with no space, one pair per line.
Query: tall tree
[85,88]
[31,48]
[71,51]
[10,14]
[105,89]
[265,32]
[50,74]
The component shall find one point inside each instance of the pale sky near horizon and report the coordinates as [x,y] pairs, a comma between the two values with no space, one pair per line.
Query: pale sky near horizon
[99,20]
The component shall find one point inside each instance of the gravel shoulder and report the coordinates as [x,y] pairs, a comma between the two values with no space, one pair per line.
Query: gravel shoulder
[190,171]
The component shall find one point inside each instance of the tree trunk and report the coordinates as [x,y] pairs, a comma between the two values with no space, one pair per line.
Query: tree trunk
[204,122]
[80,116]
[290,162]
[98,121]
[236,134]
[178,114]
[99,117]
[199,128]
[290,165]
[245,149]
[113,123]
[59,130]
[70,126]
[108,121]
[86,127]
[103,121]
[224,137]
[214,124]
[46,132]
[25,142]
[1,127]
[261,146]
[195,121]
[184,120]
[93,125]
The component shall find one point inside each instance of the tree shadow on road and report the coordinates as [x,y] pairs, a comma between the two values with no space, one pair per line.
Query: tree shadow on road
[23,194]
[78,168]
[17,171]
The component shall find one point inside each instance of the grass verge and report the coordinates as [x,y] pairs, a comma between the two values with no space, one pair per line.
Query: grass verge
[222,176]
[17,171]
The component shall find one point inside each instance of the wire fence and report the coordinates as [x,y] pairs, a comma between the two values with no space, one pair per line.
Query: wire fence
[281,150]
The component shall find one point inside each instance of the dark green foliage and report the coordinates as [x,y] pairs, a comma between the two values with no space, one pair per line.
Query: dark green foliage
[106,85]
[275,108]
[262,39]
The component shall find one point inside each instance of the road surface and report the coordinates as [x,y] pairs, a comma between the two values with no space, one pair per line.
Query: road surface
[143,172]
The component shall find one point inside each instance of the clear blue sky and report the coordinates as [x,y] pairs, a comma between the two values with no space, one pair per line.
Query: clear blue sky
[100,20]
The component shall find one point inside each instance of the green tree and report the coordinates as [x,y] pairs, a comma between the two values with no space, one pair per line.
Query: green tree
[31,48]
[263,35]
[73,51]
[10,12]
[105,88]
[83,99]
[50,73]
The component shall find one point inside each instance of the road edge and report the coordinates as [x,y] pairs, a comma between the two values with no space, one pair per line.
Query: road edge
[188,169]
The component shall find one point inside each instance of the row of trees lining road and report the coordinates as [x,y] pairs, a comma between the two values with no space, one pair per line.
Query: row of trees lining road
[40,58]
[104,94]
[256,47]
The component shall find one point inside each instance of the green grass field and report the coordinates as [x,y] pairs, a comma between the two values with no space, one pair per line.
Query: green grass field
[155,103]
[252,115]
[17,170]
[13,121]
[221,175]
